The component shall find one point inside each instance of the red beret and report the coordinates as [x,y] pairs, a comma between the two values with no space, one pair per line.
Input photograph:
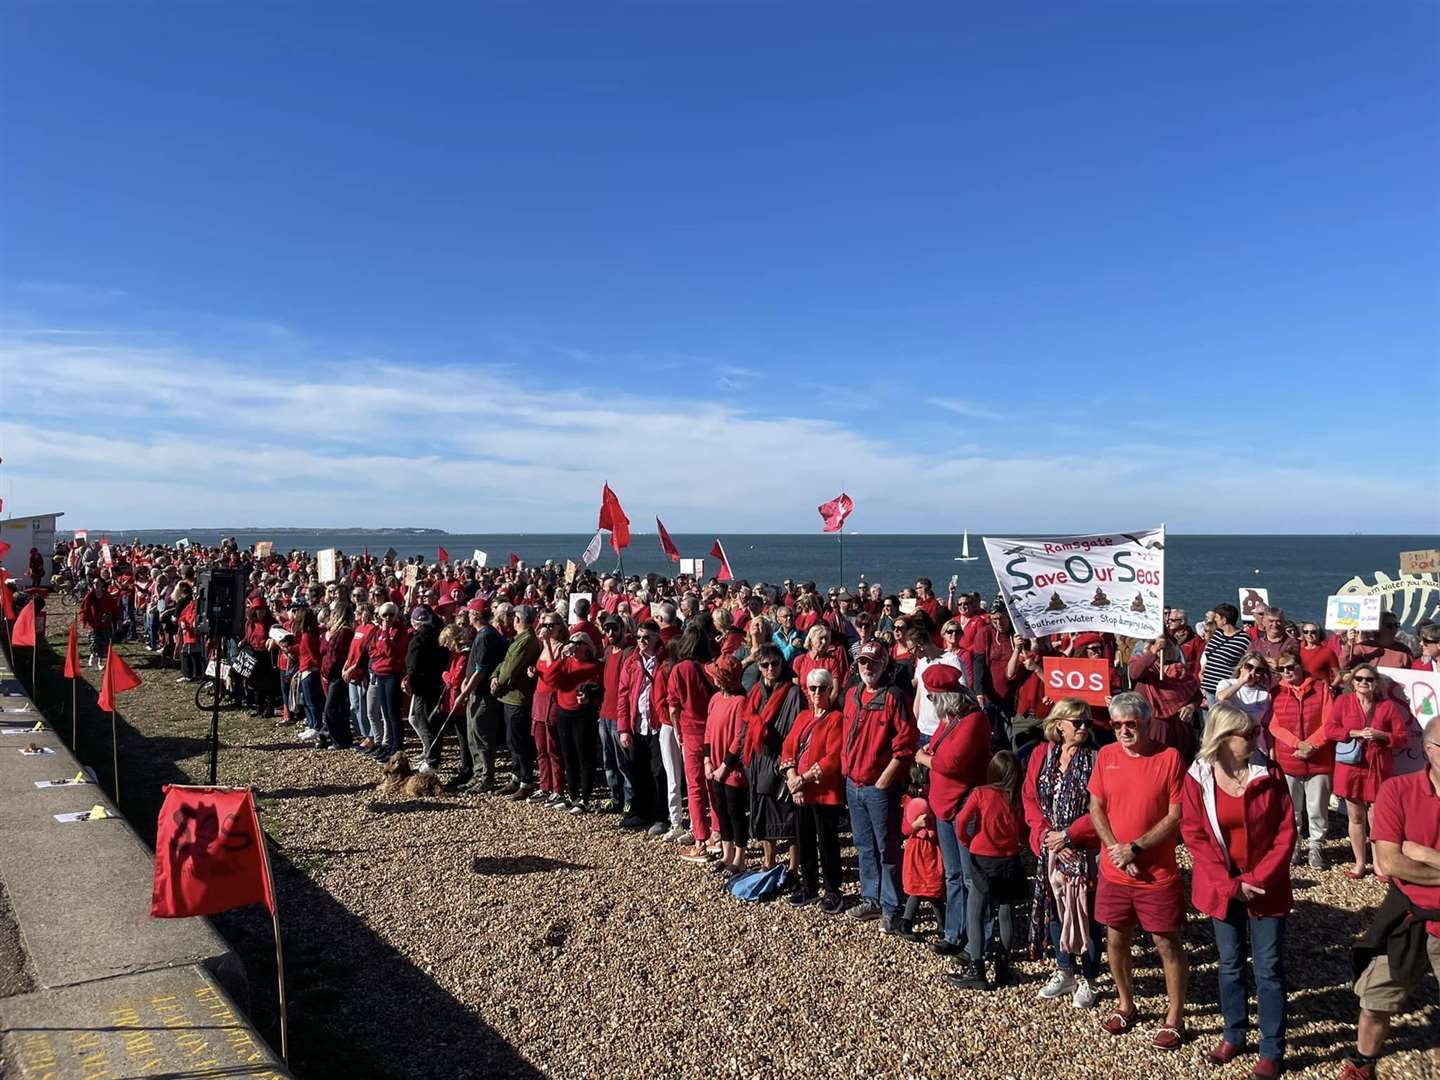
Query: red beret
[1083,641]
[942,679]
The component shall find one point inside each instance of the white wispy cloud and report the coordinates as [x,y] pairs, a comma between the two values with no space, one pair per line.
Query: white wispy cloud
[960,407]
[135,435]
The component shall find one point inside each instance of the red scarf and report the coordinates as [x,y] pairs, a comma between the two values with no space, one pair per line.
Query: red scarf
[757,719]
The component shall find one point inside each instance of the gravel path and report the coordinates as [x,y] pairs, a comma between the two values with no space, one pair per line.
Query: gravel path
[465,937]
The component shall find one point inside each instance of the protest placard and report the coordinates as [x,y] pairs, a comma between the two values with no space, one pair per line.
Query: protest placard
[908,605]
[570,571]
[1113,583]
[479,557]
[1353,612]
[1088,680]
[1422,694]
[576,598]
[325,565]
[694,568]
[1252,602]
[412,574]
[1420,562]
[264,548]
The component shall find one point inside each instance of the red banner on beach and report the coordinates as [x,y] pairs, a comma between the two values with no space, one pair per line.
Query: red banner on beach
[207,854]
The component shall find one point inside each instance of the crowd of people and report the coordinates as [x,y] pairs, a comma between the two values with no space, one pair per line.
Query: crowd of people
[753,726]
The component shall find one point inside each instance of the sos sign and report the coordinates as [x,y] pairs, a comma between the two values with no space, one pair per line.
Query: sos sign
[1088,680]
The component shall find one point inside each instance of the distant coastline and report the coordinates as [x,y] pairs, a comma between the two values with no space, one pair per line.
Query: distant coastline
[286,531]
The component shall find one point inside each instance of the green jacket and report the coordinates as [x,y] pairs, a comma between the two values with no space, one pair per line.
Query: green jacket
[515,686]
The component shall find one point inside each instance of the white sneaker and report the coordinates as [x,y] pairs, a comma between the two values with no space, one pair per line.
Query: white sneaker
[676,834]
[307,734]
[1060,984]
[1085,996]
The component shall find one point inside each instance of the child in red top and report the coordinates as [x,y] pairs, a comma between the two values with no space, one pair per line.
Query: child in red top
[921,871]
[992,824]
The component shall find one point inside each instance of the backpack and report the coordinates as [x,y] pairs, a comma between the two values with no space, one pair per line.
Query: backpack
[759,884]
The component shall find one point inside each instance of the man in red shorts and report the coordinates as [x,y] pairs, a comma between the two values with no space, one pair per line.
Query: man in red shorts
[1135,807]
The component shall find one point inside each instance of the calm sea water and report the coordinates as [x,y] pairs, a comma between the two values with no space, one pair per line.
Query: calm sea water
[1299,571]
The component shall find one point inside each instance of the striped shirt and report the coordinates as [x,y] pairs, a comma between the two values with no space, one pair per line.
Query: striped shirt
[1220,657]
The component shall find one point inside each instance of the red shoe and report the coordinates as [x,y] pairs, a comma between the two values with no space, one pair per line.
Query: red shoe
[1265,1069]
[1350,1071]
[1169,1038]
[1224,1053]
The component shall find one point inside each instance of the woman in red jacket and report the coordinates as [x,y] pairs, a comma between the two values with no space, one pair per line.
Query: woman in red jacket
[305,625]
[554,636]
[334,651]
[1300,705]
[258,621]
[576,678]
[688,700]
[1056,797]
[729,792]
[819,653]
[810,763]
[1363,720]
[1239,827]
[957,756]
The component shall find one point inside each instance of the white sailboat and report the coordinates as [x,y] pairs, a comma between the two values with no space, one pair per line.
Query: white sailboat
[965,555]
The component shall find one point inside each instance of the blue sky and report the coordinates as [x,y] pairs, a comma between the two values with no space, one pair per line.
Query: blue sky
[1005,267]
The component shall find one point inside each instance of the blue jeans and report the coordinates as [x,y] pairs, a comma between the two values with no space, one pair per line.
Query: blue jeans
[313,694]
[951,855]
[357,709]
[1090,961]
[1237,937]
[388,687]
[875,823]
[616,763]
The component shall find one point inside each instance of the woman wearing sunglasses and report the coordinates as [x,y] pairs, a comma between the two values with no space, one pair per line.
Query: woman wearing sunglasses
[1237,824]
[1302,750]
[1249,691]
[1365,726]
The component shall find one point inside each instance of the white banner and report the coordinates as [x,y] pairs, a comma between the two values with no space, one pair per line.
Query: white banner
[592,551]
[1422,693]
[694,568]
[1113,583]
[325,565]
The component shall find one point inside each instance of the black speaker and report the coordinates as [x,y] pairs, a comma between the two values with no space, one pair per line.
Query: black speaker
[220,603]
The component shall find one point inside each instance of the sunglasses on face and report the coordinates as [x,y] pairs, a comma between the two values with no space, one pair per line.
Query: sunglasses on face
[951,631]
[1363,679]
[769,663]
[816,689]
[1283,668]
[1254,667]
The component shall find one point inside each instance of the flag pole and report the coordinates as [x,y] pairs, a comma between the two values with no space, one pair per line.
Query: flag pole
[115,756]
[841,538]
[74,689]
[275,922]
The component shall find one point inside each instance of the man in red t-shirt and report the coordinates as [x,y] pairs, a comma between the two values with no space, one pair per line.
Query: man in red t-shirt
[1135,795]
[1405,829]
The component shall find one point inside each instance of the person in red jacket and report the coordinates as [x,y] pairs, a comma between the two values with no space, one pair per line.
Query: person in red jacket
[922,873]
[880,740]
[1056,798]
[575,677]
[689,700]
[615,761]
[1377,725]
[640,720]
[1300,705]
[385,650]
[810,762]
[1239,828]
[992,823]
[729,791]
[1429,658]
[1158,673]
[957,756]
[1320,654]
[820,653]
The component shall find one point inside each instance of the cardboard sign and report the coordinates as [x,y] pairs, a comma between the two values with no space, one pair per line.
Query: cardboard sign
[264,548]
[1111,583]
[570,571]
[1422,693]
[478,557]
[908,605]
[1353,612]
[1420,562]
[694,568]
[1253,601]
[1086,679]
[412,575]
[576,597]
[325,565]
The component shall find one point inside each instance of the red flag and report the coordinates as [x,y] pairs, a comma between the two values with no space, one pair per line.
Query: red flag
[514,560]
[24,630]
[666,543]
[4,549]
[7,602]
[719,552]
[614,519]
[117,679]
[441,555]
[207,854]
[72,652]
[836,511]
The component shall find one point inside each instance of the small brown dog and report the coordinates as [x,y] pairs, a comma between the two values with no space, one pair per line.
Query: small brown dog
[402,779]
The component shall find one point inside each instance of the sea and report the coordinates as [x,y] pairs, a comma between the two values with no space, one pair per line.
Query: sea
[1298,571]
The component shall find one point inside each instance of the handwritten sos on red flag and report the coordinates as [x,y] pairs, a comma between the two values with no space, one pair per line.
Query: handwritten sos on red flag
[1088,680]
[207,853]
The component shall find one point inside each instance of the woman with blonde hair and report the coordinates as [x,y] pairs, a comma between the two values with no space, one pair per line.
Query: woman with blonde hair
[1239,826]
[1056,797]
[1365,726]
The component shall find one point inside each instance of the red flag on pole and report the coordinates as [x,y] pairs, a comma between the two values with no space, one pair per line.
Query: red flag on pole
[208,857]
[666,543]
[514,560]
[719,552]
[117,679]
[834,512]
[4,549]
[614,519]
[72,653]
[7,601]
[24,631]
[441,555]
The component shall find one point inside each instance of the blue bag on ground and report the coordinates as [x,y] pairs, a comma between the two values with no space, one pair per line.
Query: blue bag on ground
[759,884]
